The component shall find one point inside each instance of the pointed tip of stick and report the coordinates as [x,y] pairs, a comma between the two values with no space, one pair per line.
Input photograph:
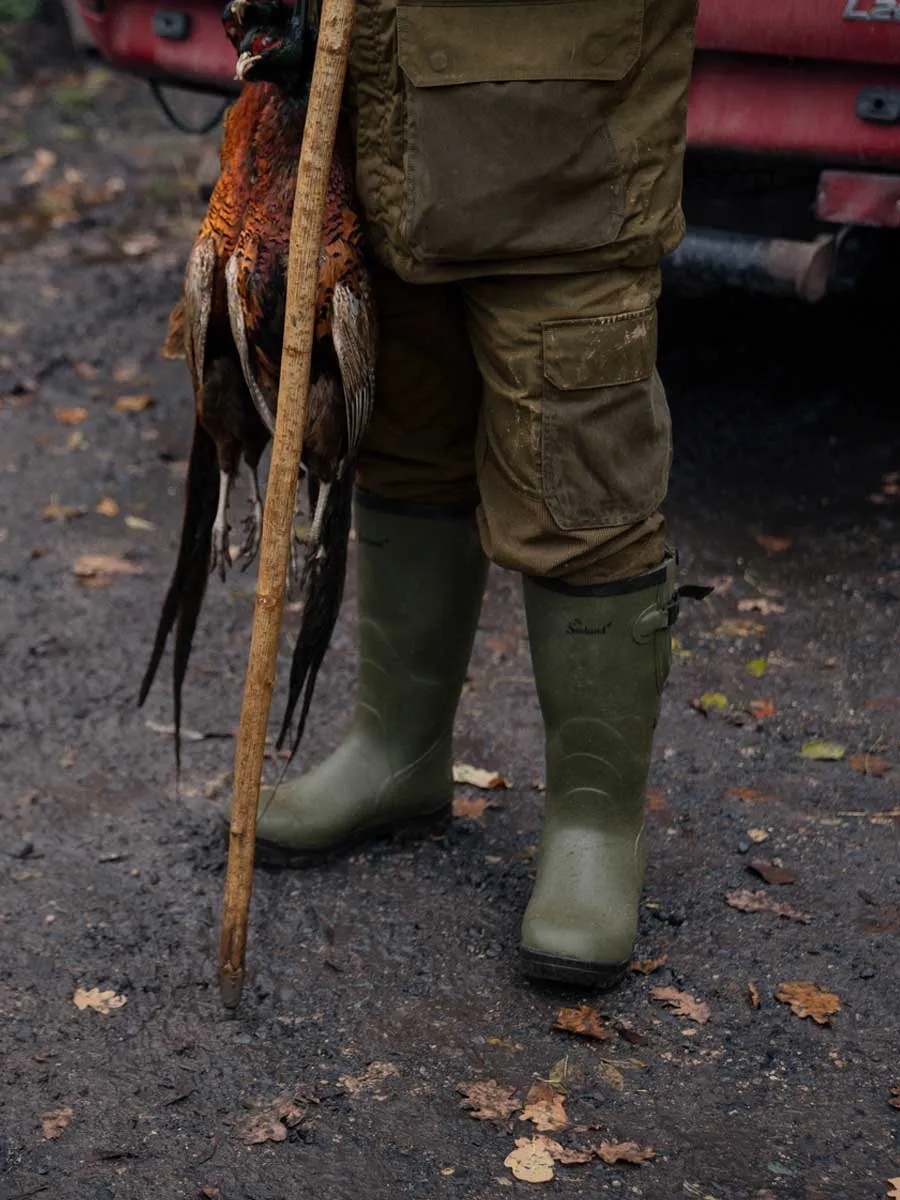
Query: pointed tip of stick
[231,985]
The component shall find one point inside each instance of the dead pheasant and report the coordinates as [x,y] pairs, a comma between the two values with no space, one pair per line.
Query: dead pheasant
[227,425]
[230,323]
[342,378]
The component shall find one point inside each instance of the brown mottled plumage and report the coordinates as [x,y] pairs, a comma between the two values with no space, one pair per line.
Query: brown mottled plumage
[229,325]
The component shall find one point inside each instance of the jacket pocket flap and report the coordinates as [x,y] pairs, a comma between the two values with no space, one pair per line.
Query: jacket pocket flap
[451,43]
[598,352]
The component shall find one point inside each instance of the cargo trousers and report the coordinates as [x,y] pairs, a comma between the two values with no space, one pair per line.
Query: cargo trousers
[519,164]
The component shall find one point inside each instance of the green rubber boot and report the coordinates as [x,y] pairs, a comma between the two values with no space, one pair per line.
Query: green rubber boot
[421,580]
[601,657]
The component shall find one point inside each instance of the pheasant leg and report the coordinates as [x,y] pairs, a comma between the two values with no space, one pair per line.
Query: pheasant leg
[253,522]
[220,559]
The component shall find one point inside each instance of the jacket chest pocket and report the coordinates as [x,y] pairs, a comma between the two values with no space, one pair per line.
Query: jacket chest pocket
[508,151]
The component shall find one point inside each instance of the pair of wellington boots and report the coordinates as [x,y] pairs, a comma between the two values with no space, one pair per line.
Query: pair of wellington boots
[600,655]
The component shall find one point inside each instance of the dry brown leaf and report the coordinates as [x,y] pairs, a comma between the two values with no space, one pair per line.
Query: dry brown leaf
[530,1161]
[753,992]
[210,1191]
[54,1122]
[562,1154]
[762,710]
[471,807]
[868,764]
[771,872]
[134,404]
[746,901]
[738,627]
[758,835]
[374,1074]
[809,1000]
[760,604]
[748,795]
[775,545]
[582,1020]
[609,1073]
[630,1152]
[101,1002]
[54,511]
[86,370]
[263,1127]
[894,1193]
[656,800]
[126,372]
[894,1100]
[545,1108]
[477,777]
[683,1004]
[107,507]
[90,566]
[71,416]
[42,161]
[489,1100]
[646,966]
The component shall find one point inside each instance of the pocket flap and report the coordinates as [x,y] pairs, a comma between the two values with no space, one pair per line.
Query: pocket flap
[597,352]
[450,43]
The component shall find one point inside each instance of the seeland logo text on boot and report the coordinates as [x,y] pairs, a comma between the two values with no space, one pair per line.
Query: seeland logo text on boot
[578,626]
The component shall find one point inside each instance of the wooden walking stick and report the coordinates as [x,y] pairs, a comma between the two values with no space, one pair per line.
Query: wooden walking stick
[335,27]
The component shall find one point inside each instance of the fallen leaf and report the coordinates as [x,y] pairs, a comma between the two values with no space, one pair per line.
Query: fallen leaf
[758,835]
[86,370]
[711,702]
[71,416]
[739,628]
[504,1043]
[187,735]
[139,523]
[771,872]
[760,604]
[682,1004]
[42,161]
[646,966]
[775,545]
[107,507]
[656,800]
[545,1108]
[530,1161]
[809,1000]
[134,404]
[630,1152]
[610,1073]
[488,1100]
[823,751]
[583,1021]
[746,901]
[753,992]
[894,1100]
[867,764]
[125,372]
[54,511]
[562,1154]
[101,1002]
[476,777]
[140,244]
[90,566]
[629,1034]
[881,703]
[894,1193]
[748,795]
[757,667]
[210,1191]
[54,1122]
[374,1074]
[471,807]
[761,709]
[263,1127]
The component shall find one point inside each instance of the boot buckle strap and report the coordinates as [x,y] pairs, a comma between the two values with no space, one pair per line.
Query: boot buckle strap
[658,617]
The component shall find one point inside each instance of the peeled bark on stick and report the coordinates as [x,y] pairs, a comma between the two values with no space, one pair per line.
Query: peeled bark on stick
[335,27]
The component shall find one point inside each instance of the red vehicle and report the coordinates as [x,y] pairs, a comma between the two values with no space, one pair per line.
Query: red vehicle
[792,182]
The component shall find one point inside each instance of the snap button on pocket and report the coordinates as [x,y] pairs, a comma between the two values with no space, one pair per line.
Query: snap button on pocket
[438,60]
[596,49]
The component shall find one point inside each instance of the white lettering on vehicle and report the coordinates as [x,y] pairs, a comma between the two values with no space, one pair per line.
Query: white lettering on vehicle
[872,10]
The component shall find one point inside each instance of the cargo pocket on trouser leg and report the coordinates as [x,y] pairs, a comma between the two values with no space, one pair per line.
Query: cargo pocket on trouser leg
[507,151]
[606,441]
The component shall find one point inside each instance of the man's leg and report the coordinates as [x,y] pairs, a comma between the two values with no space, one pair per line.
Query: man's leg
[573,457]
[421,574]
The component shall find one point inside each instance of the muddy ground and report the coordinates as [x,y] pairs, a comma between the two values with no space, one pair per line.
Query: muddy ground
[786,423]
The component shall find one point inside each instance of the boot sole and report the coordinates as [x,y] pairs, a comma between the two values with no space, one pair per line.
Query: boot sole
[538,964]
[271,854]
